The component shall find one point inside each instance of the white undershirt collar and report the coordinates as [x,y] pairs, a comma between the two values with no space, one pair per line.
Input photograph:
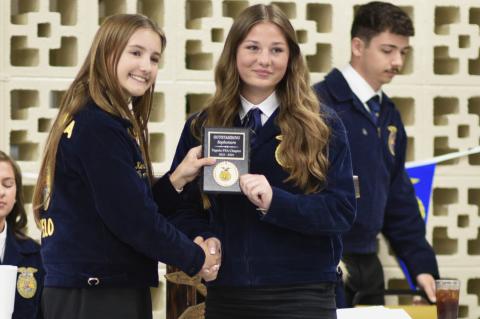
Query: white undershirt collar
[3,241]
[359,86]
[267,106]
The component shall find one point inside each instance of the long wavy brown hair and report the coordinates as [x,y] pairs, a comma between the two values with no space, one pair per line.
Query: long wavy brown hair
[305,134]
[17,218]
[97,80]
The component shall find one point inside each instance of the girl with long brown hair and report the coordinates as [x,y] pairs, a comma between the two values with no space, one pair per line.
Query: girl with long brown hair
[281,238]
[102,235]
[16,248]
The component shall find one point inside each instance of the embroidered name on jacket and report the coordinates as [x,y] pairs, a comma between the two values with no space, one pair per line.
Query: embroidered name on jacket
[48,228]
[26,282]
[141,169]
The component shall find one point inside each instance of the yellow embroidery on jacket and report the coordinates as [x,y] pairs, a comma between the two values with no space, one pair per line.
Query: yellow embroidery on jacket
[69,129]
[47,226]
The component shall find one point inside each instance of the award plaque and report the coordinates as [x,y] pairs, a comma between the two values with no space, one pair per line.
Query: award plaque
[231,148]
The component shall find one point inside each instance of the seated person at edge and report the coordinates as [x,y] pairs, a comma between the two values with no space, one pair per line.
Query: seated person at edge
[387,204]
[16,248]
[103,235]
[281,238]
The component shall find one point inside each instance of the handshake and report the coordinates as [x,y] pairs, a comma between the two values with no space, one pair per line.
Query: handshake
[213,257]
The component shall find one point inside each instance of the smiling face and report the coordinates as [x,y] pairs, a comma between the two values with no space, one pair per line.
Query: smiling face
[8,191]
[381,59]
[262,60]
[138,65]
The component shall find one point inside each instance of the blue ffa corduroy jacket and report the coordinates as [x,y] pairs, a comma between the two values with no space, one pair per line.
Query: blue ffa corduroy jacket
[102,221]
[25,254]
[298,240]
[387,200]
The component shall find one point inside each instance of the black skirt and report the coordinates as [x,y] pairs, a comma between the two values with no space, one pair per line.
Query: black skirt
[310,301]
[96,303]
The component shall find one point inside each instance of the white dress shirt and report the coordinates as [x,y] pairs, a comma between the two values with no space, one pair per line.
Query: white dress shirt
[3,241]
[267,106]
[359,86]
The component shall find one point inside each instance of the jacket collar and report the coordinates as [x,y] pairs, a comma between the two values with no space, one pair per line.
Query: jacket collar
[15,249]
[269,129]
[124,122]
[338,86]
[342,93]
[360,87]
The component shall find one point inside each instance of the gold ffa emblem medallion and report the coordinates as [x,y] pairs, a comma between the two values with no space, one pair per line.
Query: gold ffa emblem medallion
[392,136]
[26,282]
[225,173]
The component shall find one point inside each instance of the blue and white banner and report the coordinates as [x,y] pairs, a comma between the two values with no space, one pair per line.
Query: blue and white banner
[422,180]
[421,174]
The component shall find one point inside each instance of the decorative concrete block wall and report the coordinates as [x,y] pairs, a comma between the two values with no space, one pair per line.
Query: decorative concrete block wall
[45,41]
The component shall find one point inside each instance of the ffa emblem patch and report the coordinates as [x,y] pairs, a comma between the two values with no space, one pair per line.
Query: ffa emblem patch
[26,282]
[392,136]
[225,173]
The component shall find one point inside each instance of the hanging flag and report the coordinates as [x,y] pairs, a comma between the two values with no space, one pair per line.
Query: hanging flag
[421,174]
[422,180]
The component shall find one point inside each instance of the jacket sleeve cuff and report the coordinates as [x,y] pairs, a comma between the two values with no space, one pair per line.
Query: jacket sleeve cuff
[283,202]
[165,195]
[424,265]
[197,262]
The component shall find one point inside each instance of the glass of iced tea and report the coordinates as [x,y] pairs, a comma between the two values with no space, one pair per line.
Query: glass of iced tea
[448,291]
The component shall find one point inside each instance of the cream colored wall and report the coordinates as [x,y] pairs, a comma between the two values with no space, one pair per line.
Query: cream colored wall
[44,41]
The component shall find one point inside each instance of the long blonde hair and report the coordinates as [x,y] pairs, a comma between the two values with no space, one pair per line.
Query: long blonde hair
[97,80]
[305,134]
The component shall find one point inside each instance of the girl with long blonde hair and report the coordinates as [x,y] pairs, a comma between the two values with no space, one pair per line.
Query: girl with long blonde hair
[281,238]
[102,235]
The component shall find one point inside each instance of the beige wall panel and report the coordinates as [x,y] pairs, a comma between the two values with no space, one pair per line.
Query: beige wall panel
[32,106]
[48,37]
[173,103]
[158,295]
[3,7]
[439,120]
[3,118]
[453,225]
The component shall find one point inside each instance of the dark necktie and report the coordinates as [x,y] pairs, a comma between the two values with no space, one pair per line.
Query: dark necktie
[253,121]
[374,105]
